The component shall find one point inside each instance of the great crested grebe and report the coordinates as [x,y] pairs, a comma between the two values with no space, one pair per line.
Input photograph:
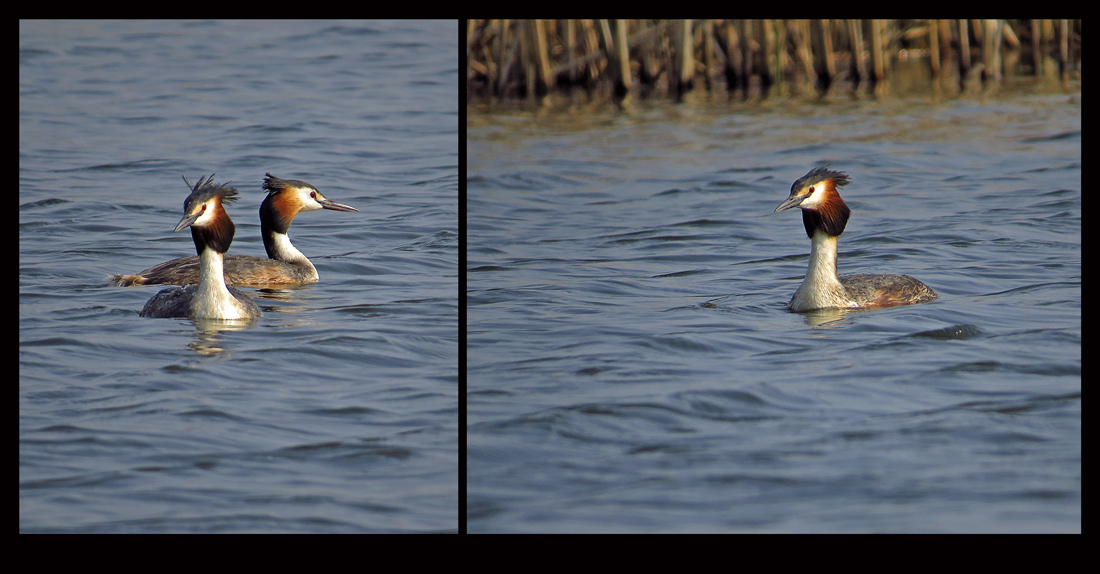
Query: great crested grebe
[825,215]
[286,265]
[212,231]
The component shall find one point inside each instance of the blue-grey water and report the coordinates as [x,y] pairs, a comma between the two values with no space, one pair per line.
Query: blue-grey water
[337,411]
[632,366]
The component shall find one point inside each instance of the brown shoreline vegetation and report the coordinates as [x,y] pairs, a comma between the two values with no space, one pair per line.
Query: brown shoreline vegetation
[757,59]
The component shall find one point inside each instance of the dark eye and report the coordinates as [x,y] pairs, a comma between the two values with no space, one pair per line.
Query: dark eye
[811,189]
[313,194]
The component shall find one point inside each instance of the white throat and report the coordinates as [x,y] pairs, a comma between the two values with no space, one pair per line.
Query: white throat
[285,250]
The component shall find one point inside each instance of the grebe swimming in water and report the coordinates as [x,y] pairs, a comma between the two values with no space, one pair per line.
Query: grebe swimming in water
[824,214]
[212,231]
[285,265]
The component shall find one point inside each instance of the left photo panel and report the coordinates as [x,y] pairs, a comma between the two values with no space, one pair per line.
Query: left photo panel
[239,286]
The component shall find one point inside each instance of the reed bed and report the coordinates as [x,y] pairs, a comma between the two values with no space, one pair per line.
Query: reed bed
[620,59]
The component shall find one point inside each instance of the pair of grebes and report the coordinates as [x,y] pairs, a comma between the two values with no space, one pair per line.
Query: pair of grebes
[207,280]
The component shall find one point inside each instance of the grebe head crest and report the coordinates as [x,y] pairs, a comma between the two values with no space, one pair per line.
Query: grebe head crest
[203,213]
[822,208]
[819,174]
[274,184]
[287,197]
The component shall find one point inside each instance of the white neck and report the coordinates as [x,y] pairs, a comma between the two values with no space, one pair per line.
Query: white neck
[821,288]
[285,250]
[212,300]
